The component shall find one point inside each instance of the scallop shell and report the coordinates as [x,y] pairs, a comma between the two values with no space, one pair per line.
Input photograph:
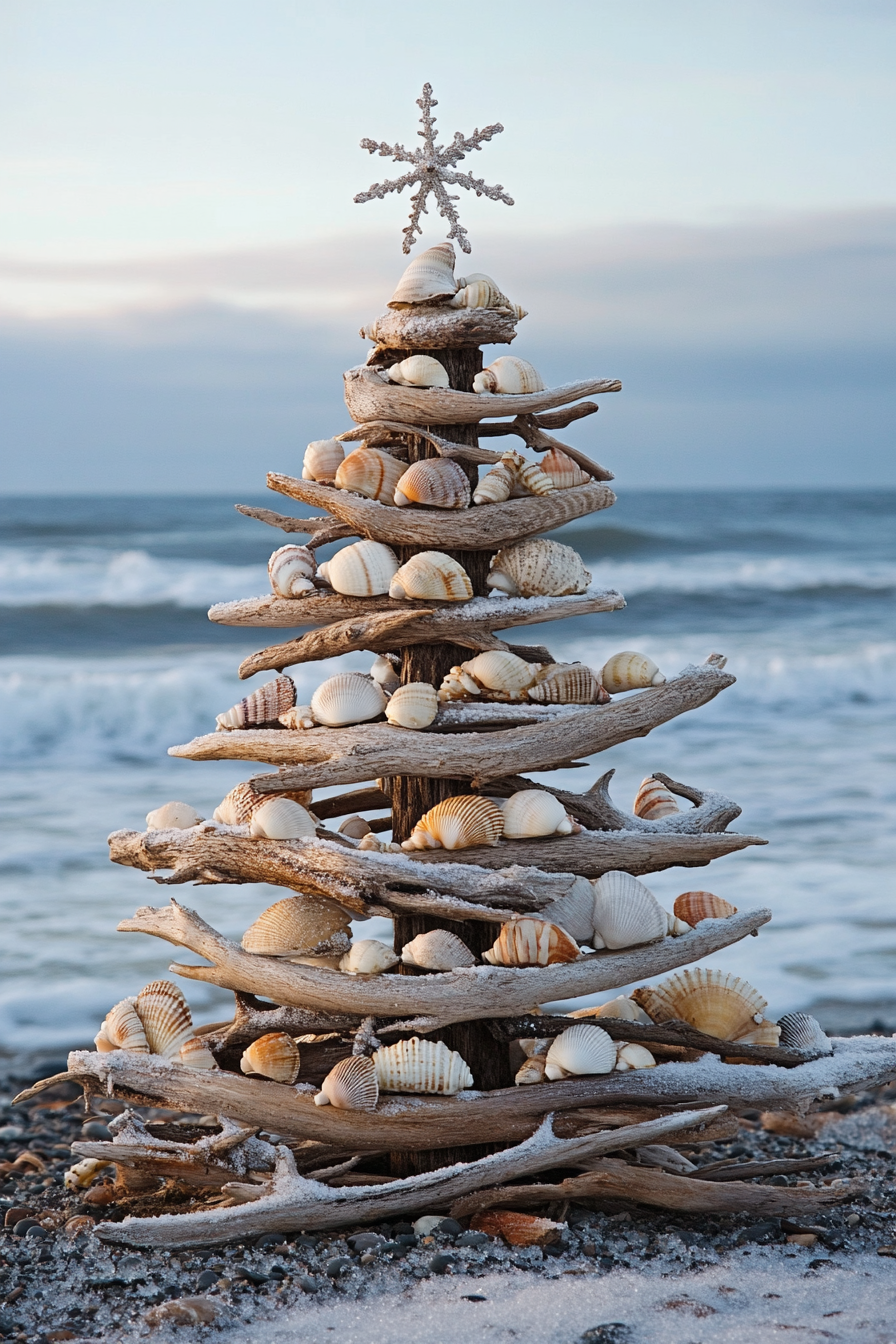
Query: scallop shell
[370,473]
[509,375]
[264,705]
[536,568]
[298,926]
[350,1085]
[237,808]
[633,1056]
[274,1056]
[355,828]
[531,1071]
[622,1008]
[653,801]
[574,911]
[368,957]
[165,1015]
[173,817]
[626,913]
[629,671]
[433,575]
[196,1054]
[562,470]
[437,950]
[568,684]
[531,942]
[535,812]
[693,906]
[291,570]
[322,460]
[428,279]
[383,672]
[413,706]
[439,483]
[281,819]
[419,371]
[364,569]
[495,486]
[716,1002]
[799,1031]
[122,1029]
[498,670]
[458,823]
[580,1050]
[348,697]
[421,1066]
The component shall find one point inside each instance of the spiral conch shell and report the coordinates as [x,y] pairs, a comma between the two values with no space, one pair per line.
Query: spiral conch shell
[509,375]
[538,567]
[503,675]
[531,942]
[350,1085]
[122,1030]
[370,473]
[580,1050]
[196,1054]
[694,906]
[281,819]
[437,950]
[368,957]
[165,1015]
[562,470]
[419,371]
[437,483]
[632,1055]
[568,684]
[265,705]
[716,1002]
[432,575]
[414,705]
[173,817]
[495,486]
[458,823]
[291,571]
[429,278]
[653,801]
[626,913]
[421,1066]
[363,570]
[348,697]
[629,671]
[275,1056]
[532,812]
[322,460]
[298,926]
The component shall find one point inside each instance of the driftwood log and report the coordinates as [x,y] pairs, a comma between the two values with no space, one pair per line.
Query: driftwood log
[439,327]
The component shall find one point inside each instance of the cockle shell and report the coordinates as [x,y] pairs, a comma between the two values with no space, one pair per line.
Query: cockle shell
[538,567]
[173,817]
[437,950]
[458,823]
[370,473]
[495,486]
[237,808]
[692,906]
[653,801]
[432,575]
[298,926]
[574,911]
[322,459]
[626,913]
[629,671]
[509,375]
[622,1008]
[567,684]
[265,705]
[716,1002]
[413,706]
[531,942]
[799,1031]
[633,1056]
[350,1085]
[562,470]
[531,1071]
[419,371]
[281,819]
[291,570]
[364,569]
[580,1050]
[196,1054]
[429,278]
[383,672]
[533,812]
[438,483]
[368,957]
[355,827]
[122,1030]
[346,698]
[165,1015]
[498,670]
[275,1056]
[421,1066]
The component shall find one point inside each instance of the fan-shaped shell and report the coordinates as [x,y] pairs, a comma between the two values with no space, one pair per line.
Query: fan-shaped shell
[291,570]
[237,808]
[165,1015]
[799,1031]
[574,911]
[498,670]
[322,460]
[413,706]
[633,1056]
[348,697]
[122,1029]
[281,819]
[622,1008]
[434,576]
[355,827]
[437,482]
[421,1066]
[535,812]
[626,913]
[419,371]
[495,486]
[537,568]
[350,1085]
[562,470]
[630,671]
[692,906]
[531,942]
[568,684]
[437,950]
[383,672]
[509,375]
[275,1056]
[297,926]
[429,278]
[458,823]
[716,1002]
[173,817]
[196,1054]
[370,473]
[364,569]
[531,1071]
[653,801]
[580,1050]
[264,705]
[368,957]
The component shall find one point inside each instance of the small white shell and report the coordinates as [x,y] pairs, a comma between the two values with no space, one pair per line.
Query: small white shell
[479,291]
[580,1050]
[384,672]
[574,911]
[350,1085]
[419,371]
[630,671]
[281,819]
[623,1008]
[413,706]
[291,570]
[509,375]
[355,827]
[653,801]
[237,808]
[165,1015]
[626,913]
[437,483]
[346,698]
[322,459]
[633,1056]
[799,1031]
[196,1054]
[368,957]
[437,950]
[364,569]
[297,718]
[264,705]
[534,812]
[531,1071]
[429,278]
[370,473]
[538,567]
[495,486]
[434,576]
[531,480]
[421,1066]
[173,817]
[499,670]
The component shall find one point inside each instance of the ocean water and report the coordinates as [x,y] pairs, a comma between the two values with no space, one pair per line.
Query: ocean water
[107,658]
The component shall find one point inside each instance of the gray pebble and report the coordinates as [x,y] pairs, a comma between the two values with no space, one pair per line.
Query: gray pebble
[449,1227]
[366,1241]
[339,1265]
[9,1133]
[472,1239]
[207,1278]
[95,1129]
[441,1263]
[307,1285]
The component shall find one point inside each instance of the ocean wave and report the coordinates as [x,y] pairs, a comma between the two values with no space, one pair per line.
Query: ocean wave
[86,577]
[726,571]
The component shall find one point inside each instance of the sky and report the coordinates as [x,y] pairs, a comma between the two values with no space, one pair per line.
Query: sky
[705,207]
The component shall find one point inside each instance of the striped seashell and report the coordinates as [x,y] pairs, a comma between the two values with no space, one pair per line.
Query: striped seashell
[237,808]
[629,671]
[265,705]
[322,460]
[537,568]
[355,828]
[299,718]
[531,1071]
[385,674]
[478,291]
[531,480]
[799,1031]
[533,812]
[281,819]
[196,1054]
[626,913]
[421,1066]
[350,1085]
[364,569]
[413,706]
[579,1051]
[165,1015]
[437,950]
[458,823]
[622,1008]
[275,1056]
[531,942]
[298,926]
[437,483]
[349,697]
[428,279]
[694,906]
[495,486]
[432,575]
[574,911]
[368,957]
[419,371]
[173,817]
[291,570]
[653,801]
[122,1029]
[562,470]
[370,473]
[762,1033]
[509,375]
[717,1002]
[633,1056]
[498,670]
[567,684]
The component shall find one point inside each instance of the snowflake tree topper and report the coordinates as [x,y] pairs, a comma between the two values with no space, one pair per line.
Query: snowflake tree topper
[432,168]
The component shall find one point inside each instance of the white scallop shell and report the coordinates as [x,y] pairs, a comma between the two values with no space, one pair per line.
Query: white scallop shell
[538,567]
[370,473]
[196,1054]
[421,1066]
[384,672]
[580,1050]
[350,1085]
[432,575]
[165,1015]
[173,817]
[122,1029]
[264,705]
[437,950]
[633,1056]
[574,911]
[346,698]
[419,371]
[535,812]
[459,822]
[799,1031]
[291,570]
[368,957]
[322,459]
[281,819]
[364,569]
[630,671]
[299,926]
[509,375]
[429,278]
[653,801]
[413,706]
[626,913]
[437,483]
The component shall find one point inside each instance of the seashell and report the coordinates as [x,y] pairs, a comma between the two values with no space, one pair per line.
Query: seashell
[165,1015]
[675,927]
[519,1229]
[568,684]
[626,913]
[431,574]
[579,1050]
[298,718]
[531,480]
[350,1085]
[536,812]
[421,1066]
[428,279]
[183,1311]
[437,950]
[413,706]
[562,470]
[82,1173]
[173,817]
[263,706]
[349,697]
[458,823]
[531,942]
[355,828]
[274,1056]
[574,911]
[693,906]
[364,569]
[498,670]
[322,460]
[370,473]
[653,801]
[196,1054]
[291,570]
[622,1008]
[716,1002]
[628,671]
[761,1033]
[237,808]
[281,819]
[538,567]
[495,486]
[799,1031]
[530,1071]
[368,957]
[385,674]
[480,291]
[633,1056]
[438,482]
[509,375]
[122,1029]
[419,371]
[377,846]
[298,926]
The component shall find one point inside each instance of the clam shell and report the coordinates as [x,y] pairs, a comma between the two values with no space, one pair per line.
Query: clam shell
[383,672]
[692,906]
[421,1066]
[437,950]
[436,482]
[364,569]
[173,817]
[355,828]
[196,1054]
[567,684]
[165,1015]
[413,706]
[370,473]
[531,942]
[799,1031]
[274,1056]
[348,697]
[237,808]
[629,671]
[498,670]
[626,913]
[562,470]
[458,823]
[633,1056]
[538,567]
[368,957]
[281,819]
[298,926]
[495,486]
[350,1085]
[535,812]
[716,1002]
[509,375]
[622,1008]
[264,705]
[653,801]
[433,575]
[580,1050]
[419,371]
[322,460]
[291,570]
[122,1029]
[530,1071]
[428,279]
[574,911]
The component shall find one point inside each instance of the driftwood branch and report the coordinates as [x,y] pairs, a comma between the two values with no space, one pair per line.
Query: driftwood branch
[379,634]
[441,328]
[530,428]
[379,431]
[731,1170]
[285,522]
